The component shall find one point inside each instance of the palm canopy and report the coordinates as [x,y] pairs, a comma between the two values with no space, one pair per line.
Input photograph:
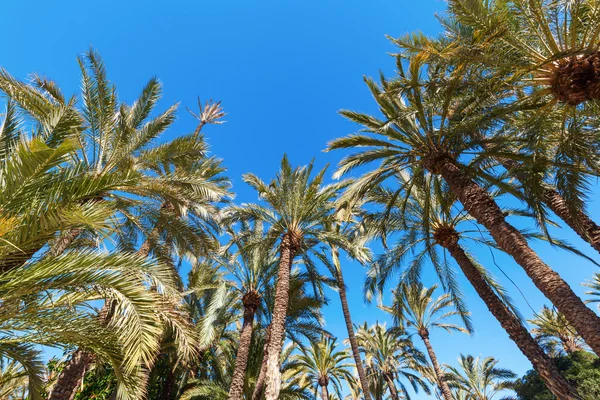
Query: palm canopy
[412,225]
[437,108]
[115,159]
[415,307]
[295,204]
[46,301]
[322,364]
[389,353]
[479,379]
[550,46]
[552,330]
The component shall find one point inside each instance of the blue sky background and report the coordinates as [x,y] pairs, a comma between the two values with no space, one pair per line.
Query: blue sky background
[282,69]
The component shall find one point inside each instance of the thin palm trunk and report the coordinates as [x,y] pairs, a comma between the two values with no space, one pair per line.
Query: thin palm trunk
[71,377]
[251,301]
[441,381]
[289,247]
[579,221]
[364,383]
[485,210]
[324,392]
[389,379]
[512,325]
[260,381]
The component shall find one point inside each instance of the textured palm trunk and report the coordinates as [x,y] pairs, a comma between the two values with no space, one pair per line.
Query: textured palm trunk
[71,377]
[289,246]
[260,381]
[546,369]
[484,209]
[389,379]
[364,383]
[251,302]
[580,222]
[81,361]
[441,381]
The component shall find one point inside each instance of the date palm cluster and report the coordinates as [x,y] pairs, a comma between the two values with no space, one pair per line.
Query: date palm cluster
[487,127]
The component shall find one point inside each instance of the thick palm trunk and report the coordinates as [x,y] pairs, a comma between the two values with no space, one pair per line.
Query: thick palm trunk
[580,222]
[485,210]
[348,319]
[251,302]
[71,377]
[289,246]
[441,381]
[391,386]
[260,381]
[517,332]
[81,360]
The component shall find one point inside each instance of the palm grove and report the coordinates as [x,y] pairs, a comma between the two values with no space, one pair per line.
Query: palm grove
[99,211]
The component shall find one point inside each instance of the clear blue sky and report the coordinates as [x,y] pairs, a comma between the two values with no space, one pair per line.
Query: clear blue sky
[282,69]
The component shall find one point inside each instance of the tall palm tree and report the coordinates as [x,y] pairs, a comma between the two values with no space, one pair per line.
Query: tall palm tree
[415,307]
[296,209]
[253,268]
[304,320]
[548,128]
[390,356]
[320,365]
[417,135]
[427,218]
[480,379]
[551,330]
[349,225]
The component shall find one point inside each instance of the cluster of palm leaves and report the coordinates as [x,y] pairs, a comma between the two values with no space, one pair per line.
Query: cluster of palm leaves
[99,210]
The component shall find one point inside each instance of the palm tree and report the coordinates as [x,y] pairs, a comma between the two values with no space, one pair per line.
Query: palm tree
[390,355]
[426,218]
[321,365]
[551,329]
[349,226]
[556,56]
[547,127]
[414,306]
[417,135]
[480,379]
[45,301]
[253,268]
[13,380]
[297,208]
[594,284]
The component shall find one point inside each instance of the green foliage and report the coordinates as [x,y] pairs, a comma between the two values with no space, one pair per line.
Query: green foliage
[581,369]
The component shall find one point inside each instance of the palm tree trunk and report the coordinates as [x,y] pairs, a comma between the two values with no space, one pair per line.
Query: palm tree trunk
[251,302]
[71,377]
[289,246]
[348,319]
[324,393]
[546,369]
[485,210]
[441,381]
[579,221]
[81,360]
[260,381]
[391,385]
